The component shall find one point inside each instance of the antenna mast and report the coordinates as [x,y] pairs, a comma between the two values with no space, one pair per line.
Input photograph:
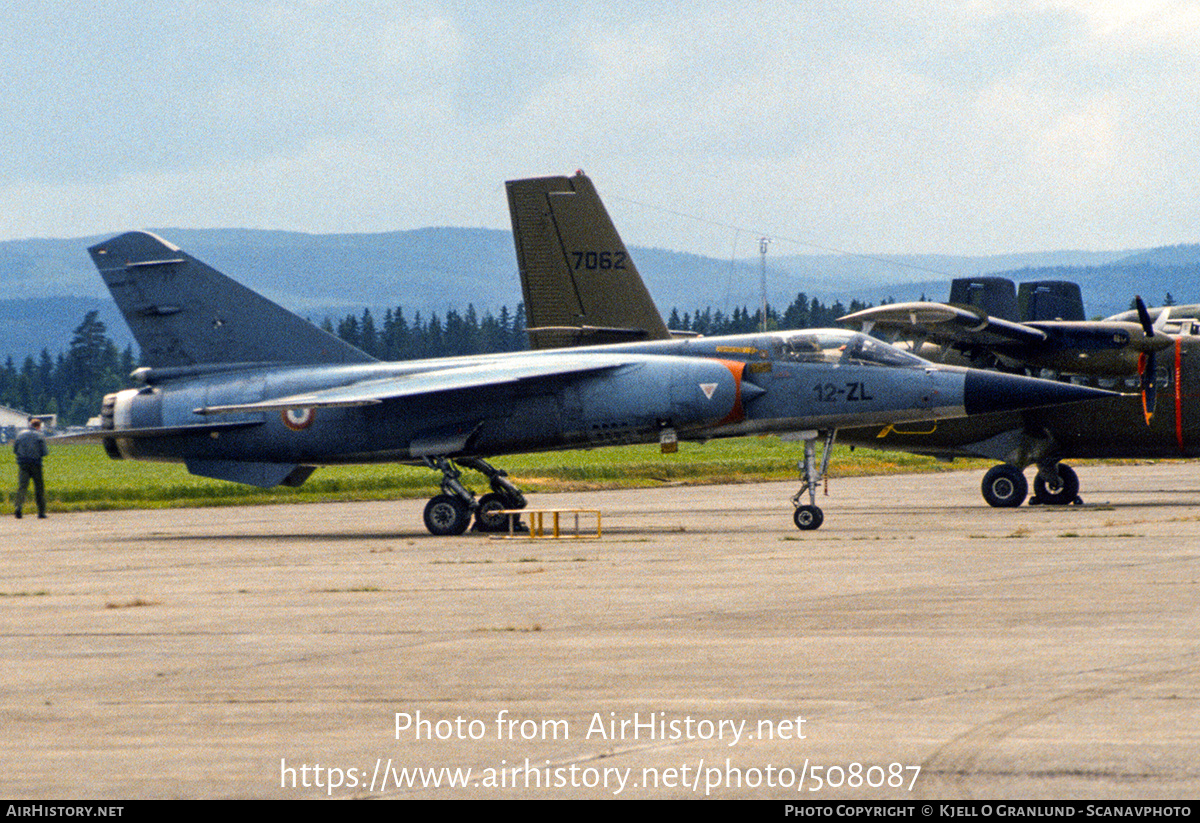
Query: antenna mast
[763,242]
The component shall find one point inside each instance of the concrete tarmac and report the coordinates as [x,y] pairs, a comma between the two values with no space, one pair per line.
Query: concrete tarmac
[920,645]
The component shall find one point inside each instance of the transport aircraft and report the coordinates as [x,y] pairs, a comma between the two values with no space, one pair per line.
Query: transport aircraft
[1036,328]
[989,323]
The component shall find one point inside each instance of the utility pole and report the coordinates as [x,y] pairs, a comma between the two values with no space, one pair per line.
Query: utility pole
[763,242]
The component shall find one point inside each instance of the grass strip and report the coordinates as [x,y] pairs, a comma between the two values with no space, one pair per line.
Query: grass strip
[83,478]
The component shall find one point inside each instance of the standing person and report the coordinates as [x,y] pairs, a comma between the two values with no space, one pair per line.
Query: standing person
[30,447]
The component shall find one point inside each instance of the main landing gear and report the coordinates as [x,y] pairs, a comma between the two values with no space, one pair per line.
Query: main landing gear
[450,512]
[809,516]
[1056,484]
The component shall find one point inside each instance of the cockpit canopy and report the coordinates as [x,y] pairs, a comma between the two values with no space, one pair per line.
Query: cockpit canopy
[844,347]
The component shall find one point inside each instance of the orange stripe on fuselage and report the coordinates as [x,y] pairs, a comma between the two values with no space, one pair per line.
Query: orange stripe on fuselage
[737,413]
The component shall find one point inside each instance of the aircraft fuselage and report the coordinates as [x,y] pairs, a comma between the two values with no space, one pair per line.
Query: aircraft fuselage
[700,388]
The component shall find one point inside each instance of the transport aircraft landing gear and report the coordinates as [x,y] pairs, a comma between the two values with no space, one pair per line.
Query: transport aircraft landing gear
[1056,485]
[809,516]
[449,513]
[1004,486]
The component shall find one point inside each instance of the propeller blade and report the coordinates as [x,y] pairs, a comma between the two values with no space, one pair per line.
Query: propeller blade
[1148,369]
[1144,316]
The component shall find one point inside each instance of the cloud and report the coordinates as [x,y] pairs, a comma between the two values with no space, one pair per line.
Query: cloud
[995,125]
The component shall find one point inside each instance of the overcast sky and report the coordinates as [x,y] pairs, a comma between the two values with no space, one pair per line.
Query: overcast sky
[962,127]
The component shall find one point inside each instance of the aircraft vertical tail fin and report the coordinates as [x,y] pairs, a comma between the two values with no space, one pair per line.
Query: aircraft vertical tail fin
[1050,300]
[996,296]
[580,284]
[185,313]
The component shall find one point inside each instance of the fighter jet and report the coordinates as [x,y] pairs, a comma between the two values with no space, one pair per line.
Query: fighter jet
[237,388]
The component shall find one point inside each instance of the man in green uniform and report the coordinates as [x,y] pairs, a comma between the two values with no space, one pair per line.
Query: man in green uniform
[30,447]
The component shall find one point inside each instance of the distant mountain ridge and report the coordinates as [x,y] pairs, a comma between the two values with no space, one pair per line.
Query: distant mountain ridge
[46,286]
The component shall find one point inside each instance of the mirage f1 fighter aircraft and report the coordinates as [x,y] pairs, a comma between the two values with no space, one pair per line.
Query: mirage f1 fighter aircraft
[236,387]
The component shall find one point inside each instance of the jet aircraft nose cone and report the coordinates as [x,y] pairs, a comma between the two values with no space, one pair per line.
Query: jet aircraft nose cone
[988,391]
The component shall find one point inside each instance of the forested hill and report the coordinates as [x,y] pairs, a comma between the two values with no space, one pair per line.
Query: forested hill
[46,286]
[1169,274]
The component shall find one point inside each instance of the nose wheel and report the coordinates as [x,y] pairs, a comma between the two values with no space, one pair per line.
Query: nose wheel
[809,516]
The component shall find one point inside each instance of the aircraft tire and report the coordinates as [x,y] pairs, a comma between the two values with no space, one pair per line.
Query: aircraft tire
[1005,487]
[446,514]
[1064,495]
[808,518]
[485,518]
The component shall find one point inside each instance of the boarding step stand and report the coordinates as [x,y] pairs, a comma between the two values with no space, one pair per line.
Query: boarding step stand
[537,524]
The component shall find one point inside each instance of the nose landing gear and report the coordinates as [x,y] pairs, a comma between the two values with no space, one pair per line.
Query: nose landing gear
[809,516]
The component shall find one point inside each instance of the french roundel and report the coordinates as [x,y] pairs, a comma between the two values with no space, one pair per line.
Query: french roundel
[298,419]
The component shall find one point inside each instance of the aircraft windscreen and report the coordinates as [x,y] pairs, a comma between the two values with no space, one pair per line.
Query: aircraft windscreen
[867,351]
[834,346]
